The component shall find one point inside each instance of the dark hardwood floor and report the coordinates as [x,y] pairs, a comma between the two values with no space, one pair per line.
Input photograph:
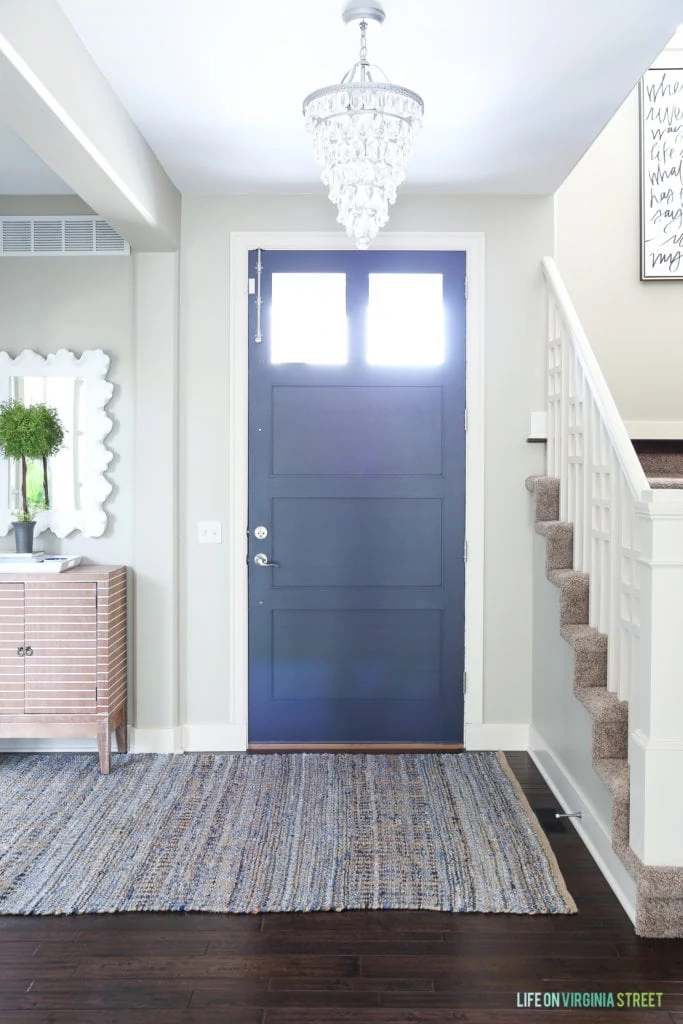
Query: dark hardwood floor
[375,967]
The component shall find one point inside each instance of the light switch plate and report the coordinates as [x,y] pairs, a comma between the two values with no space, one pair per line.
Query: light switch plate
[209,532]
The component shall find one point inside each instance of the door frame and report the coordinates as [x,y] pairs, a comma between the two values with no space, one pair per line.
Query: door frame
[241,243]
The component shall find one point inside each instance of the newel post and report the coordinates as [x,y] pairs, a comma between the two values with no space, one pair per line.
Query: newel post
[656,705]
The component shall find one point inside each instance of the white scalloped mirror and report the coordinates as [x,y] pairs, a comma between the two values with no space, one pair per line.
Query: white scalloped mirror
[77,387]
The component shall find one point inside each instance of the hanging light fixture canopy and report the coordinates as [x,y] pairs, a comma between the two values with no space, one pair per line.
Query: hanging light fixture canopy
[363,131]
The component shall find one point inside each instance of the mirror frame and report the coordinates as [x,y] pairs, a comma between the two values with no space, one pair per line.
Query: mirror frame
[91,366]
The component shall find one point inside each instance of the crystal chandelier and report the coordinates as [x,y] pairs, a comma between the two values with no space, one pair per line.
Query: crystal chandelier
[363,132]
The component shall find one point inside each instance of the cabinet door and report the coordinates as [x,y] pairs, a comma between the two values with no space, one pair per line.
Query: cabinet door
[11,643]
[60,665]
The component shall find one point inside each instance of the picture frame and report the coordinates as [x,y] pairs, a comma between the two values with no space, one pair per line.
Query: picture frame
[661,174]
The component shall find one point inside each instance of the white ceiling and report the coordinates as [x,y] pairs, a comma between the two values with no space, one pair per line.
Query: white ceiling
[514,91]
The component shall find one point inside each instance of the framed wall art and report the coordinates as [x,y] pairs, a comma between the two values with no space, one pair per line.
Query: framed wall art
[661,174]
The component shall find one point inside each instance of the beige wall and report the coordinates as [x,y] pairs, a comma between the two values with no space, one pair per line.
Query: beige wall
[519,231]
[78,303]
[634,326]
[128,307]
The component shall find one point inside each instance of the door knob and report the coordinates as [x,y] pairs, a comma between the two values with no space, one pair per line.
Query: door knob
[28,651]
[20,652]
[262,560]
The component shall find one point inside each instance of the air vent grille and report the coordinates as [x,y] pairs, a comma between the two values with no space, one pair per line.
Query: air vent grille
[48,235]
[60,236]
[78,235]
[16,236]
[106,239]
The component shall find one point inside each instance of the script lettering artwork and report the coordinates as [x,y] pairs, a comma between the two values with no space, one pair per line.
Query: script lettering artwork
[662,173]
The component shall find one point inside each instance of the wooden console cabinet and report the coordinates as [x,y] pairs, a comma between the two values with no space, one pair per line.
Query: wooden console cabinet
[63,655]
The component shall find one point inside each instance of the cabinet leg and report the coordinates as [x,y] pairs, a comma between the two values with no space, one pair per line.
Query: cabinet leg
[122,738]
[104,746]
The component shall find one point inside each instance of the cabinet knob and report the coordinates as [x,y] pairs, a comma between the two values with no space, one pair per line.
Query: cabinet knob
[28,651]
[20,652]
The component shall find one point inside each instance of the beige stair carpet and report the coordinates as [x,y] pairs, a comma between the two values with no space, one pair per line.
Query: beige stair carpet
[659,908]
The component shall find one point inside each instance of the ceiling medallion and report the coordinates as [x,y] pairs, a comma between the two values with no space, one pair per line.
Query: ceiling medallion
[363,131]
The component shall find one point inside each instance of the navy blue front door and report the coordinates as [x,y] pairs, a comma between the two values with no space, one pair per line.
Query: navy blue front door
[356,497]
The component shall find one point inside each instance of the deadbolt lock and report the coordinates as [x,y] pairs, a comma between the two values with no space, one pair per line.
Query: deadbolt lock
[260,533]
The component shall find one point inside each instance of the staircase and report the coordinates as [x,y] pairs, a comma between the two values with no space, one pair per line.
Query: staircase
[613,528]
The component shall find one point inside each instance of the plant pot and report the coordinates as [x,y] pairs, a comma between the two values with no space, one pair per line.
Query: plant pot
[23,537]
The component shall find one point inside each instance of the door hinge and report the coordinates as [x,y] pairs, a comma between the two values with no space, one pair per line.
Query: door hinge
[466,287]
[465,553]
[466,420]
[464,682]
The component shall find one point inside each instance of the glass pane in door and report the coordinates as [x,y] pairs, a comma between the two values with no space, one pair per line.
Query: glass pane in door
[308,319]
[405,321]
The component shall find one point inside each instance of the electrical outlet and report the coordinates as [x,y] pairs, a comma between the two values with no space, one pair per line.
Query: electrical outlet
[209,533]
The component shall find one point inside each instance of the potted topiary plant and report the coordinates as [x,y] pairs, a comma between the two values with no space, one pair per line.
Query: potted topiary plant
[29,432]
[46,439]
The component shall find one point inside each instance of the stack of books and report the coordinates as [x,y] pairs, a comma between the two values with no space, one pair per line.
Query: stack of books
[16,556]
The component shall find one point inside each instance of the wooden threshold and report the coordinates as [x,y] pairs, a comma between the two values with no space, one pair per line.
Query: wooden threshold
[354,748]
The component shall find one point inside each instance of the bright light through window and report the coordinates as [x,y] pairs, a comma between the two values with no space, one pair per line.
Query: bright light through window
[308,319]
[406,324]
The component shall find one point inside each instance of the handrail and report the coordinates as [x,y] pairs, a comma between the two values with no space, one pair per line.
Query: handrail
[602,483]
[630,464]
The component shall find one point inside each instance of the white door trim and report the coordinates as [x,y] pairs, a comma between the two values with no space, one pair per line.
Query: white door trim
[241,242]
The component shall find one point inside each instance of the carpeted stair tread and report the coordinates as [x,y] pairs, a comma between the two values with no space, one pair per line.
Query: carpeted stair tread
[544,527]
[590,654]
[559,552]
[671,483]
[573,595]
[602,704]
[560,576]
[546,492]
[660,882]
[659,918]
[578,634]
[614,772]
[661,464]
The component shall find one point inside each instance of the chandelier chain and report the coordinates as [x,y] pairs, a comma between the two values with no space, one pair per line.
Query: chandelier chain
[363,52]
[363,42]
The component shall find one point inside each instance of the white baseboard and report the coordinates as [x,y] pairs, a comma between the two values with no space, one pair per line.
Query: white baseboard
[145,741]
[496,736]
[77,745]
[215,737]
[655,430]
[486,736]
[588,826]
[155,741]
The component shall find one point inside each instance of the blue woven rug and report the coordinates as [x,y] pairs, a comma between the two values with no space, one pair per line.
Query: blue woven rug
[245,833]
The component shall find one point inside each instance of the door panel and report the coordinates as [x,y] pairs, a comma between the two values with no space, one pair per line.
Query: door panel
[309,421]
[61,632]
[11,641]
[356,655]
[358,542]
[357,472]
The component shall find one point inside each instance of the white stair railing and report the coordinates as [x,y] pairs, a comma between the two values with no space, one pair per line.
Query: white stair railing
[601,482]
[629,538]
